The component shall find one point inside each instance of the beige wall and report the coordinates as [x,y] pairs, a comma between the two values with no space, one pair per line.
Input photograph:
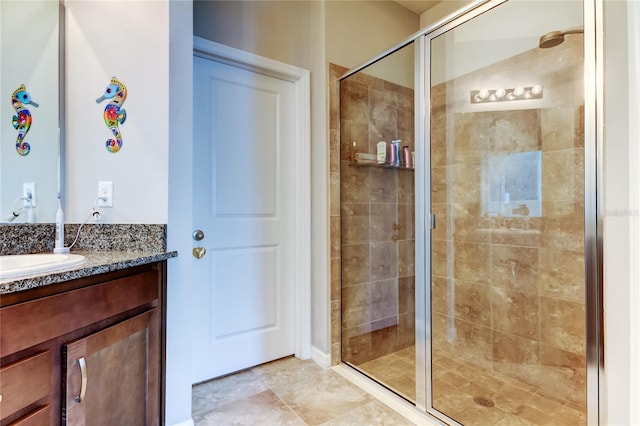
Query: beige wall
[359,30]
[309,34]
[442,10]
[371,27]
[282,30]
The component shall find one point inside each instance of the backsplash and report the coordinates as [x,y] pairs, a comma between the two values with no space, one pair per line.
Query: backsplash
[39,238]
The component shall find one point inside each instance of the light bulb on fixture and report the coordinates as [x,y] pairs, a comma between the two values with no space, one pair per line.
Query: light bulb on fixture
[509,94]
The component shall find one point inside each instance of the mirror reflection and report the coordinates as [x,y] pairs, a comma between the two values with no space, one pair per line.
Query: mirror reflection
[29,110]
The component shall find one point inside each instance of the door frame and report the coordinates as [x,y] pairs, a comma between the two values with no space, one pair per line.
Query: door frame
[300,78]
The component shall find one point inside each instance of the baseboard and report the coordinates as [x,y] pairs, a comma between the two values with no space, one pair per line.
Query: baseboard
[320,358]
[388,398]
[188,422]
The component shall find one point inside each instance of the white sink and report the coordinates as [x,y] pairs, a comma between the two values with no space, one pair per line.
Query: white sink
[18,265]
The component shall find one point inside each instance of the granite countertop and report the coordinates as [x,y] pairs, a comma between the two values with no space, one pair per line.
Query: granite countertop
[97,262]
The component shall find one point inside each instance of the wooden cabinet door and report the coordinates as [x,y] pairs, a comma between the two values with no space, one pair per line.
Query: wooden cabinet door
[112,377]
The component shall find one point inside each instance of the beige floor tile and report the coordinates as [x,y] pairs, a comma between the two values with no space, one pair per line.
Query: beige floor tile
[262,409]
[475,415]
[209,395]
[295,392]
[404,385]
[509,398]
[373,413]
[458,381]
[322,397]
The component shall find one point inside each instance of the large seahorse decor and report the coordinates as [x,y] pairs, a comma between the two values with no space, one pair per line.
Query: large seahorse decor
[22,120]
[114,114]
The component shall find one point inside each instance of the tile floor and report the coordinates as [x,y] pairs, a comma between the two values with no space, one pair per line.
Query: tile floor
[294,392]
[288,392]
[473,395]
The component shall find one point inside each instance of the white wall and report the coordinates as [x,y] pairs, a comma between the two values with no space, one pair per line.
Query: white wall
[179,299]
[128,40]
[621,213]
[633,24]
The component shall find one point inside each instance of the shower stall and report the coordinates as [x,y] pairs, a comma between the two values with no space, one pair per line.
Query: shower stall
[468,247]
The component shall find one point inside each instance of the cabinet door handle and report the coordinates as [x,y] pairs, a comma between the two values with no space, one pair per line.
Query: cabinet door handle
[83,384]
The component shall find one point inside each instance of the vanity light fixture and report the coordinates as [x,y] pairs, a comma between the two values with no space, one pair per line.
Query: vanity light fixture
[501,95]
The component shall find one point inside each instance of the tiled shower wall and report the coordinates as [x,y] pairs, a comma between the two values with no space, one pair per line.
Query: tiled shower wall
[517,283]
[377,226]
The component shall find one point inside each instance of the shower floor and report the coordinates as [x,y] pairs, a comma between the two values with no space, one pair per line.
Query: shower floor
[472,395]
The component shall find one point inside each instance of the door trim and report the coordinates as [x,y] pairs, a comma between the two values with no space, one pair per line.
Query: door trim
[300,78]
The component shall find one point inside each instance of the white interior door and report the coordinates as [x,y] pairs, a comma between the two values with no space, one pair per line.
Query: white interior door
[244,130]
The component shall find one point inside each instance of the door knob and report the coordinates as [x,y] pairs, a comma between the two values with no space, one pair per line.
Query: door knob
[198,235]
[198,252]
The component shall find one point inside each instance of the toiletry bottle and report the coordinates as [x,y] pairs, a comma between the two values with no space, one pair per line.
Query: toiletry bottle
[382,152]
[396,150]
[406,155]
[392,157]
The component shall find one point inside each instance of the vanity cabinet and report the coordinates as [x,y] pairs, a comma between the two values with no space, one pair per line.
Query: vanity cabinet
[85,352]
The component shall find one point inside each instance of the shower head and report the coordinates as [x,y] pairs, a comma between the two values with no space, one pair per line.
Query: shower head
[554,38]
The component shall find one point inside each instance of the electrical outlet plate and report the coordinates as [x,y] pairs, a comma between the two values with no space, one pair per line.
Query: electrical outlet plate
[105,194]
[29,188]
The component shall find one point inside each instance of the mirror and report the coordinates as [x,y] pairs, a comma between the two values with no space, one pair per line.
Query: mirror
[31,34]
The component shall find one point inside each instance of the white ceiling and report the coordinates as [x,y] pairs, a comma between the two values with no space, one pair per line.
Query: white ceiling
[418,6]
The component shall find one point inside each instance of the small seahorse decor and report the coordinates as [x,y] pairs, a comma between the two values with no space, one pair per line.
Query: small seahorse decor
[114,114]
[22,120]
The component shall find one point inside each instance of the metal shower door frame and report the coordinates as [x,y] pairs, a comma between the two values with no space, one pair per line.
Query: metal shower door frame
[593,209]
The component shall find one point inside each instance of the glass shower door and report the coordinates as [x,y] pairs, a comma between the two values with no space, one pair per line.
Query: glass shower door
[507,173]
[377,221]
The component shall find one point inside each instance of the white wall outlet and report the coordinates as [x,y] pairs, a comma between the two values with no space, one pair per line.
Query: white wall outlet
[105,194]
[29,188]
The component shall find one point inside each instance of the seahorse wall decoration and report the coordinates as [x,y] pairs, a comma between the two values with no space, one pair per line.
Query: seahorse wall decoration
[22,120]
[114,114]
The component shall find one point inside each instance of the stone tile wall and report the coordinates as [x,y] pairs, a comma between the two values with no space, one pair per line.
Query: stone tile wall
[519,282]
[513,287]
[374,249]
